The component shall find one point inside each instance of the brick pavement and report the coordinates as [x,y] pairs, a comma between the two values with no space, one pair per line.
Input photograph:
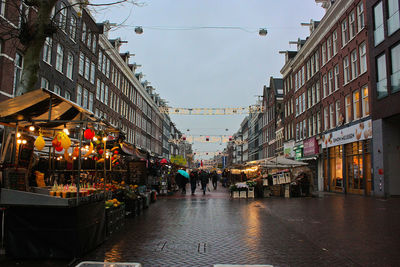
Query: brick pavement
[202,231]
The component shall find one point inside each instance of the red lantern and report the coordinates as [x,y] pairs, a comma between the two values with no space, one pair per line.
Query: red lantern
[117,163]
[116,152]
[101,151]
[96,158]
[55,142]
[59,148]
[89,134]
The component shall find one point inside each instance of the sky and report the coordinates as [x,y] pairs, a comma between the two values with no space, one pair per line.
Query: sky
[210,67]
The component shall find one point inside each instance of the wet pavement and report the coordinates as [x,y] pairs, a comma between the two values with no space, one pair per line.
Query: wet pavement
[214,229]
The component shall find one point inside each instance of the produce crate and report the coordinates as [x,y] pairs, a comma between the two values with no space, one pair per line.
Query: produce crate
[250,192]
[243,194]
[235,194]
[115,219]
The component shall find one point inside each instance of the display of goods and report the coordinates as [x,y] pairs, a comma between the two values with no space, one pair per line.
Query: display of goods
[75,153]
[39,142]
[89,151]
[112,203]
[70,191]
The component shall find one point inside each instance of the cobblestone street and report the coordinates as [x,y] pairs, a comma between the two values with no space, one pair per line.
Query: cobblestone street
[334,230]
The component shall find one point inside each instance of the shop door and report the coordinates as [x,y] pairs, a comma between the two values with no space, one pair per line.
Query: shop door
[354,168]
[336,168]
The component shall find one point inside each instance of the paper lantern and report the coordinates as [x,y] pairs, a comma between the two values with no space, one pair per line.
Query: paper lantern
[59,148]
[116,152]
[39,142]
[101,151]
[75,153]
[65,141]
[89,134]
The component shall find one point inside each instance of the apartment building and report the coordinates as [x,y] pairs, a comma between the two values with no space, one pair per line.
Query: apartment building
[383,22]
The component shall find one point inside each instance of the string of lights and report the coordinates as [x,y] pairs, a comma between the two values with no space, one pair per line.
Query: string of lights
[212,111]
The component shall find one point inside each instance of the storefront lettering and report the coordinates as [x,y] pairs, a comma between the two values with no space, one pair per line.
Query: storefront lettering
[343,138]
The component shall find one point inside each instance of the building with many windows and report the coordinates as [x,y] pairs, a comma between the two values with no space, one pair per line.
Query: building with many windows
[383,21]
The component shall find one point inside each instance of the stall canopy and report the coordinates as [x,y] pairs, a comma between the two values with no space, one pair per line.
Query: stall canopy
[277,162]
[47,110]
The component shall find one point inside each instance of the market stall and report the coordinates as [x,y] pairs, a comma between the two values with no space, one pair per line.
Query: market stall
[55,162]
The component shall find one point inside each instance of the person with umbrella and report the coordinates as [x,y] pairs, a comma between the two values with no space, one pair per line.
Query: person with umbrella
[193,181]
[182,178]
[204,177]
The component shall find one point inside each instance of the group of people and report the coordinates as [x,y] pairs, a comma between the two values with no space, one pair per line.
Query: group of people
[196,178]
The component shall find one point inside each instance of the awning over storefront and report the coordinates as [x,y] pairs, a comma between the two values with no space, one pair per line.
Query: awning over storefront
[47,110]
[130,150]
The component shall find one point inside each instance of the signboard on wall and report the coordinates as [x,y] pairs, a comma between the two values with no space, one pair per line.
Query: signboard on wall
[288,149]
[354,133]
[310,147]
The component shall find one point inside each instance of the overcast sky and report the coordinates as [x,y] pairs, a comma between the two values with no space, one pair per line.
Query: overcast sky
[211,67]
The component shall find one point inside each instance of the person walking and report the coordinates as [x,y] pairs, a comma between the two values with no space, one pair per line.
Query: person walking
[204,181]
[181,182]
[193,181]
[214,178]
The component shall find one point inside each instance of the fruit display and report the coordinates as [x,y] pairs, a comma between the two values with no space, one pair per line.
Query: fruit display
[70,190]
[112,203]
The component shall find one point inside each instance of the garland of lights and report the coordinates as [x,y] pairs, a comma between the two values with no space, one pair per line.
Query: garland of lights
[207,139]
[212,111]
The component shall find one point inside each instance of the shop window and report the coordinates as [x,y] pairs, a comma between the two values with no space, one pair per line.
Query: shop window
[381,85]
[378,24]
[395,76]
[393,16]
[365,100]
[348,108]
[336,168]
[354,167]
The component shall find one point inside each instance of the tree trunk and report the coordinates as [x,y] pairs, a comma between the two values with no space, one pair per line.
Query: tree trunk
[33,49]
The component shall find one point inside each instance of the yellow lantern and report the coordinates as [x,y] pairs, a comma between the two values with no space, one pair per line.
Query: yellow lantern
[39,142]
[65,141]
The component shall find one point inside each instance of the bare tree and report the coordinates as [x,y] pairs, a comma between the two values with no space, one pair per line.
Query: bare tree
[34,21]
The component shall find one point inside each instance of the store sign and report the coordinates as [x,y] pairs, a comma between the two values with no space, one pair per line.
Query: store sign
[179,160]
[310,147]
[288,149]
[357,132]
[298,153]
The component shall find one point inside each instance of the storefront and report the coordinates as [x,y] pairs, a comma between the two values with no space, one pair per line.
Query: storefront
[347,159]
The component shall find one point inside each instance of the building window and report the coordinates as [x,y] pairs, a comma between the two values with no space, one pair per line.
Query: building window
[47,50]
[381,85]
[63,17]
[354,65]
[59,58]
[395,76]
[378,24]
[70,65]
[336,77]
[334,43]
[106,95]
[85,98]
[325,92]
[363,58]
[87,68]
[317,93]
[356,105]
[94,45]
[329,47]
[44,83]
[345,36]
[352,25]
[79,95]
[318,122]
[81,64]
[100,62]
[18,63]
[337,105]
[309,97]
[365,100]
[314,127]
[2,8]
[92,72]
[57,89]
[323,54]
[331,115]
[360,16]
[346,72]
[84,31]
[98,89]
[326,118]
[316,61]
[72,27]
[348,108]
[331,84]
[102,92]
[91,101]
[393,16]
[67,95]
[297,106]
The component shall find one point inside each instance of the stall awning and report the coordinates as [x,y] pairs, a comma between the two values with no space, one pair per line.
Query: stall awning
[130,150]
[44,109]
[277,162]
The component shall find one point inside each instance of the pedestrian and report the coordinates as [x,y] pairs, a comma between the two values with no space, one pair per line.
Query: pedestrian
[204,181]
[193,181]
[181,182]
[214,178]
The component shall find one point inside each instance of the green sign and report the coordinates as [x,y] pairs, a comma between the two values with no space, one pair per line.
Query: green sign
[298,153]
